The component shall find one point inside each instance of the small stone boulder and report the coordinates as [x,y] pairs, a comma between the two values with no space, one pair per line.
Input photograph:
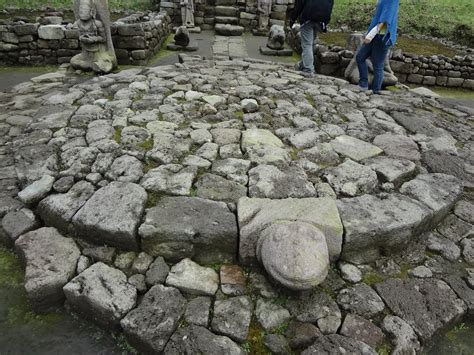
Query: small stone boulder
[192,278]
[101,294]
[149,326]
[232,317]
[181,38]
[276,37]
[50,261]
[295,254]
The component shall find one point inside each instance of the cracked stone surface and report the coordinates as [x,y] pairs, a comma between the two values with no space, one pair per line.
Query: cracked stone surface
[187,165]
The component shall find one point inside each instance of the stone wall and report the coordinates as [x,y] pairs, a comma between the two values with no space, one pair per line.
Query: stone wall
[207,13]
[136,39]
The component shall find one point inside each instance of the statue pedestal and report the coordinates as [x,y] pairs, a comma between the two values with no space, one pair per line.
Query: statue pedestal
[260,32]
[191,47]
[195,29]
[276,52]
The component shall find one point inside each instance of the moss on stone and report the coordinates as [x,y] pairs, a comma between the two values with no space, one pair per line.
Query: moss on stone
[310,100]
[11,274]
[147,145]
[153,199]
[118,135]
[150,165]
[254,344]
[372,278]
[384,349]
[239,115]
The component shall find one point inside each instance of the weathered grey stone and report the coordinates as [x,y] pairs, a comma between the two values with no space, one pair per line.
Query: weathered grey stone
[317,307]
[214,187]
[124,261]
[335,344]
[37,190]
[191,278]
[360,299]
[270,315]
[172,178]
[421,272]
[375,224]
[350,273]
[232,317]
[16,223]
[228,30]
[198,340]
[454,228]
[197,311]
[214,100]
[9,204]
[157,272]
[224,136]
[82,264]
[125,168]
[232,169]
[138,281]
[465,211]
[300,335]
[51,32]
[363,330]
[201,136]
[402,335]
[103,254]
[255,215]
[168,148]
[294,254]
[468,249]
[308,138]
[101,294]
[398,146]
[58,209]
[208,151]
[267,181]
[149,326]
[351,178]
[112,215]
[50,261]
[426,305]
[63,184]
[277,344]
[354,148]
[141,263]
[321,153]
[263,147]
[463,290]
[439,192]
[249,105]
[180,227]
[233,281]
[259,285]
[392,170]
[445,247]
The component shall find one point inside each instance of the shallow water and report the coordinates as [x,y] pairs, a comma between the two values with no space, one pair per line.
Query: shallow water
[60,332]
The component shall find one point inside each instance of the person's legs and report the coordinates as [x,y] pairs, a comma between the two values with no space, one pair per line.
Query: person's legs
[307,40]
[362,54]
[379,52]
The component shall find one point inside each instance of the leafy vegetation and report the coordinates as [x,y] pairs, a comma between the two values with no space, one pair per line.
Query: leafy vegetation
[65,4]
[441,18]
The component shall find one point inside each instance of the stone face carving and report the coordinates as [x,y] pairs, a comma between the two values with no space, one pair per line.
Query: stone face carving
[93,21]
[264,8]
[187,13]
[352,73]
[181,38]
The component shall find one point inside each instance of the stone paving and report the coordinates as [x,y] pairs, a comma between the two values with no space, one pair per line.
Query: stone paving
[214,200]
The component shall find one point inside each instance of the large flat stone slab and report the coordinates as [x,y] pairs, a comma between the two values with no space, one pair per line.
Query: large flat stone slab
[439,192]
[374,224]
[50,261]
[111,216]
[194,279]
[255,215]
[149,326]
[181,227]
[427,305]
[354,148]
[101,294]
[58,209]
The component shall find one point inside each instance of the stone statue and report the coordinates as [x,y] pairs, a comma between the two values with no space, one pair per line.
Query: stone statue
[93,21]
[276,37]
[187,13]
[352,72]
[264,8]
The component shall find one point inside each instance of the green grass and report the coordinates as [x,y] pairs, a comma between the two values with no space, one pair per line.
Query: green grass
[454,93]
[442,18]
[407,45]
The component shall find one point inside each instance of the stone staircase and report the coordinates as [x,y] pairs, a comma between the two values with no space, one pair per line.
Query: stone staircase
[227,18]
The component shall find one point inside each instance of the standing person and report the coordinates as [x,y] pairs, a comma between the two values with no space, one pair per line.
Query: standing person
[382,35]
[314,16]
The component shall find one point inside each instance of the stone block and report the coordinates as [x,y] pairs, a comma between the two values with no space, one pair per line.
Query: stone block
[51,32]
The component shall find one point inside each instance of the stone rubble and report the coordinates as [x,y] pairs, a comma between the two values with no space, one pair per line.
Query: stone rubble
[194,197]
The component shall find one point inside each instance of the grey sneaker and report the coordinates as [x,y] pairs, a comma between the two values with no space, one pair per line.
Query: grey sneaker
[307,74]
[297,66]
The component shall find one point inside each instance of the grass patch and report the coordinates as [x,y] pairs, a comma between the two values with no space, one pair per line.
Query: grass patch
[163,53]
[150,165]
[64,4]
[147,145]
[294,153]
[11,274]
[239,115]
[215,266]
[280,300]
[372,278]
[118,135]
[453,93]
[123,344]
[281,329]
[384,349]
[153,199]
[310,100]
[254,344]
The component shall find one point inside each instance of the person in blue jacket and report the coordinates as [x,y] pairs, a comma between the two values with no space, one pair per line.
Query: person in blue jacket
[381,35]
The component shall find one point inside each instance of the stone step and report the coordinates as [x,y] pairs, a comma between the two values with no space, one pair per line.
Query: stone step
[227,20]
[227,11]
[228,30]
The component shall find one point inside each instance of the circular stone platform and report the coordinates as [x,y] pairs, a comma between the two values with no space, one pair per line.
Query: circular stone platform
[151,181]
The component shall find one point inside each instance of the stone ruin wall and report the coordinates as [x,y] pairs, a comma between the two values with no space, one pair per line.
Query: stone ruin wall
[136,40]
[409,68]
[207,13]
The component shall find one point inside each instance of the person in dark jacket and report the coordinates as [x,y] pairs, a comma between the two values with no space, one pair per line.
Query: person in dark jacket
[314,16]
